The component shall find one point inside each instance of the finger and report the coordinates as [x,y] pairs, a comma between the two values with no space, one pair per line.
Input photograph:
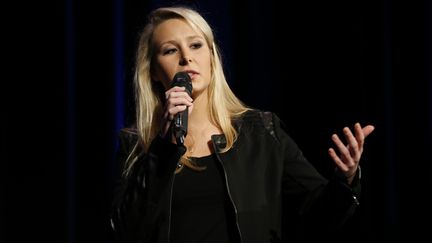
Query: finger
[176,109]
[177,92]
[353,146]
[368,130]
[173,95]
[359,135]
[169,117]
[343,150]
[175,102]
[177,88]
[339,163]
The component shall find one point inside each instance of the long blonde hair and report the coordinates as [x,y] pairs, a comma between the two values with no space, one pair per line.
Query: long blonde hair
[223,104]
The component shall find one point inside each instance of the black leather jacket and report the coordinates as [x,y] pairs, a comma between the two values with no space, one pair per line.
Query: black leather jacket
[275,193]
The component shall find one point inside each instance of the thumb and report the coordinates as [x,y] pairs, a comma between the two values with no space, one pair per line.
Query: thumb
[368,130]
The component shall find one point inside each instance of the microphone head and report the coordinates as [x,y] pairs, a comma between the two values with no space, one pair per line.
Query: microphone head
[182,79]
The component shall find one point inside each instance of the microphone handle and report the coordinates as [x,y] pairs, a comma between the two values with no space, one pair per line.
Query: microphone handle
[180,126]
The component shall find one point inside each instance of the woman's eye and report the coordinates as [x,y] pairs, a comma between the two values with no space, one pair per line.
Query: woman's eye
[169,51]
[196,45]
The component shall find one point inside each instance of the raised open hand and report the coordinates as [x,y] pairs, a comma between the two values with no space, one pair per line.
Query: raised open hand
[347,158]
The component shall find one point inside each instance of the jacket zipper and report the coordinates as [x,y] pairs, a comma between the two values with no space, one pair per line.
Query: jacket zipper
[229,194]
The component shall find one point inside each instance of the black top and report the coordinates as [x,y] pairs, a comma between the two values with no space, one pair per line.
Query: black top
[275,194]
[199,204]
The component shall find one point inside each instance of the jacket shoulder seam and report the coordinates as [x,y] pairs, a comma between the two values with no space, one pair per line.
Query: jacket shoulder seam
[268,122]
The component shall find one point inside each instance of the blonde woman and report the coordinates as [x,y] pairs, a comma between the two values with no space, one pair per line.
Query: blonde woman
[236,175]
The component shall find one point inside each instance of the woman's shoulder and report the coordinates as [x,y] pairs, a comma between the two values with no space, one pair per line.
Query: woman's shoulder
[261,116]
[128,137]
[128,133]
[257,118]
[257,121]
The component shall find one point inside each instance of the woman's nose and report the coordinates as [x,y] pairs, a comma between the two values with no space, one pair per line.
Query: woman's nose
[185,60]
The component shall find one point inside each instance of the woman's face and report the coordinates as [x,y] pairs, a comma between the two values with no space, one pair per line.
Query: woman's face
[178,47]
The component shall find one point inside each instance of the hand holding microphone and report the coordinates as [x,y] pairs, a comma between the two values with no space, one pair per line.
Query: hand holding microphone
[179,123]
[181,79]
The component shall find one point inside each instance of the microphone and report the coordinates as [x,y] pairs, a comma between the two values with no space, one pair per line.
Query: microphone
[181,79]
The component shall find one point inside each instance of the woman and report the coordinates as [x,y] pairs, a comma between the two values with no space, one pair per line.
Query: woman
[237,176]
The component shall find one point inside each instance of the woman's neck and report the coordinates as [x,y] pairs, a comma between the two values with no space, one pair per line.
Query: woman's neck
[199,117]
[200,129]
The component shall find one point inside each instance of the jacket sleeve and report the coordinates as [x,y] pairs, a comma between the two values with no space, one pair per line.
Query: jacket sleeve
[312,203]
[138,196]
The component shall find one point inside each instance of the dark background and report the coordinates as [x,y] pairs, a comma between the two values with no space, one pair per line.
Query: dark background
[320,65]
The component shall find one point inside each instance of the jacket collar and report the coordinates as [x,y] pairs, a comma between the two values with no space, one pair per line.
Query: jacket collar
[219,140]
